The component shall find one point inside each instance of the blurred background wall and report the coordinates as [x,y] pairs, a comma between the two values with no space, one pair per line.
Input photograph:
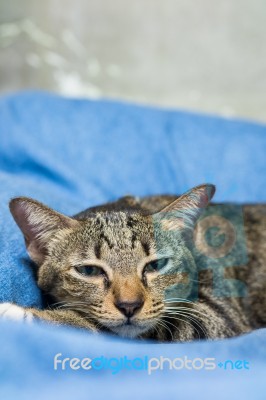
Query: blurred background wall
[201,55]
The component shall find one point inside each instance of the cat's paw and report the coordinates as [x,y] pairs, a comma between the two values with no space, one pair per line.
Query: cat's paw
[12,312]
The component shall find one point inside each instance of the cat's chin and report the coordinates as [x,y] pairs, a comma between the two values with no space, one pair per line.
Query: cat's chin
[129,331]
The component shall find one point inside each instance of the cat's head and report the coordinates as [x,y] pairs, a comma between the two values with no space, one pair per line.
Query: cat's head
[115,267]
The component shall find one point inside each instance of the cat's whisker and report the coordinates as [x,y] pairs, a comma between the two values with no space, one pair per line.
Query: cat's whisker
[155,328]
[184,312]
[160,322]
[182,320]
[194,304]
[186,320]
[74,303]
[188,311]
[189,317]
[170,323]
[191,310]
[59,302]
[171,299]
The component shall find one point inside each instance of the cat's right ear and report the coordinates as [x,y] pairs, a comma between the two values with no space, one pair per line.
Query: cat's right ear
[38,224]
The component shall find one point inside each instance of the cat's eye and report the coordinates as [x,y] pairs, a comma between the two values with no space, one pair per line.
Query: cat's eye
[155,265]
[90,270]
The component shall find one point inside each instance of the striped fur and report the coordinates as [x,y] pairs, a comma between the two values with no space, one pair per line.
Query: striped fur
[123,239]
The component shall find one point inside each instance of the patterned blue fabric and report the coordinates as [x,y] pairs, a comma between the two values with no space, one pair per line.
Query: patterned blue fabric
[71,154]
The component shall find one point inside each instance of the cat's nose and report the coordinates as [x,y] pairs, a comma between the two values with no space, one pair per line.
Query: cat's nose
[129,308]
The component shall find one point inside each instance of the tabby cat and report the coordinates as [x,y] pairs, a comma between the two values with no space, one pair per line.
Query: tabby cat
[143,268]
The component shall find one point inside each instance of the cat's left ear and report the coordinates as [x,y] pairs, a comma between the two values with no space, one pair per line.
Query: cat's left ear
[184,212]
[38,224]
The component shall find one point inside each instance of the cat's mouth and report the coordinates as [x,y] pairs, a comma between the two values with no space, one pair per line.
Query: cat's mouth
[130,329]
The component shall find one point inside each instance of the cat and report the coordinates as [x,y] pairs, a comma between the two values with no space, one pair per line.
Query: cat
[141,267]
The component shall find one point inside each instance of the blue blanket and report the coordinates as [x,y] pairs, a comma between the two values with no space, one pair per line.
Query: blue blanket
[71,154]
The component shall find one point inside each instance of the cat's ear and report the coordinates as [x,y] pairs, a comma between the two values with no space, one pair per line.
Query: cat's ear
[184,212]
[38,224]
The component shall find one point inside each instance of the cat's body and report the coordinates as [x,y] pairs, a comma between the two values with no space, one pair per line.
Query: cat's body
[118,268]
